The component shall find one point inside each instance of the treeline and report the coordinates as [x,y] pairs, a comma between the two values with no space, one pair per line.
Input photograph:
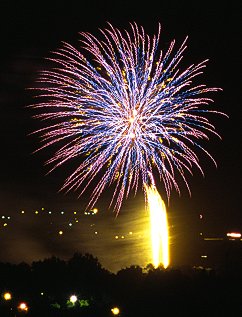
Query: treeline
[47,286]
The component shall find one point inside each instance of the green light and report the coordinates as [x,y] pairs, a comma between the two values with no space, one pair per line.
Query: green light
[84,302]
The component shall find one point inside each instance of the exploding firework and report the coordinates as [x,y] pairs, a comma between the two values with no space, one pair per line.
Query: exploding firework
[128,114]
[124,112]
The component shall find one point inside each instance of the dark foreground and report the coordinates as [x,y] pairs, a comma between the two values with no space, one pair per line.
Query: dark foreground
[45,287]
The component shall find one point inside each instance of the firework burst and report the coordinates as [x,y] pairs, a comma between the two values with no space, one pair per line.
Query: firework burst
[125,111]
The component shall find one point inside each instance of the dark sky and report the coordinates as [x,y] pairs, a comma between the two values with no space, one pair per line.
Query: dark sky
[29,31]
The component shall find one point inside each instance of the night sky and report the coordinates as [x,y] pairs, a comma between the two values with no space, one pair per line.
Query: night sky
[29,32]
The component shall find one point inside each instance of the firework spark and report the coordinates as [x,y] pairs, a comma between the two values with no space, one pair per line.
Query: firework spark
[123,112]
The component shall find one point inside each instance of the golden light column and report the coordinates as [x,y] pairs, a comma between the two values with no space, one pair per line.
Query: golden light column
[158,227]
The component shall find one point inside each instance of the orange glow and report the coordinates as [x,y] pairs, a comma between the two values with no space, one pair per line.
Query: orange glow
[23,306]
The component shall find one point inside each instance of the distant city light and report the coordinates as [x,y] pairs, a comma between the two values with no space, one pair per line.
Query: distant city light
[204,256]
[234,234]
[7,296]
[92,212]
[115,310]
[60,232]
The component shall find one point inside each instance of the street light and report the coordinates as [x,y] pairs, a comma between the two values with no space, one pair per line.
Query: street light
[115,311]
[73,299]
[7,296]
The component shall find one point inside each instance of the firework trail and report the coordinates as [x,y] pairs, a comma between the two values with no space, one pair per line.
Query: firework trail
[125,111]
[158,227]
